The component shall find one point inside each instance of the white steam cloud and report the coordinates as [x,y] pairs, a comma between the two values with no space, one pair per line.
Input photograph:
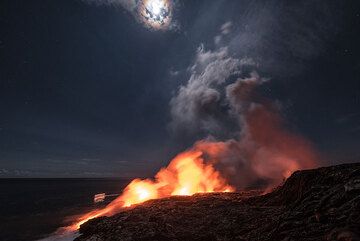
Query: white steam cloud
[198,106]
[243,133]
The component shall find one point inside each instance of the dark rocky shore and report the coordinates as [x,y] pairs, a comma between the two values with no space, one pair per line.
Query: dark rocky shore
[319,204]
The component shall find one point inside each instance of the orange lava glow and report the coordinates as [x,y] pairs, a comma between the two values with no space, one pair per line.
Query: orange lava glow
[186,174]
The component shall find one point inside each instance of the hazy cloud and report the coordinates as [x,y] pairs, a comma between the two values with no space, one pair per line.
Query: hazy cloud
[199,106]
[284,37]
[225,29]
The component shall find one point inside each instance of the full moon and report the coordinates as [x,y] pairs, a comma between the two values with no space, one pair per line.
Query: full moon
[156,14]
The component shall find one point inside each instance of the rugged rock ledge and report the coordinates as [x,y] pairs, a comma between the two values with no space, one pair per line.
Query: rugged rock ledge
[319,204]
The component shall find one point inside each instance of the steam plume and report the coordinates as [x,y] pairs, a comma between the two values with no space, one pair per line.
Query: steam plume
[243,133]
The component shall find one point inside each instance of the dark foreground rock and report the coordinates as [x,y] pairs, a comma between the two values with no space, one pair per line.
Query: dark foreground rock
[319,204]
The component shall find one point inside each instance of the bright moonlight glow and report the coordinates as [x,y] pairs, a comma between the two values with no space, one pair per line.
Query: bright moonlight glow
[156,6]
[156,13]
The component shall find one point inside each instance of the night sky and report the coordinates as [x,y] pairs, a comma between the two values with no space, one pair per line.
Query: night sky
[86,88]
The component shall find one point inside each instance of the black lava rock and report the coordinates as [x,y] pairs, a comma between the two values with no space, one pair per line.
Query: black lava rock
[311,205]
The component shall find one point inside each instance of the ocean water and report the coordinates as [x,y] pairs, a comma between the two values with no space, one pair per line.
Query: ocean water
[31,209]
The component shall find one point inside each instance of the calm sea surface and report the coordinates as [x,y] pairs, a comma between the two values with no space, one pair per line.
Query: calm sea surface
[33,208]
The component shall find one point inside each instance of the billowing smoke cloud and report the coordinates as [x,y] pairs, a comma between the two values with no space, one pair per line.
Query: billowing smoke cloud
[198,107]
[243,133]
